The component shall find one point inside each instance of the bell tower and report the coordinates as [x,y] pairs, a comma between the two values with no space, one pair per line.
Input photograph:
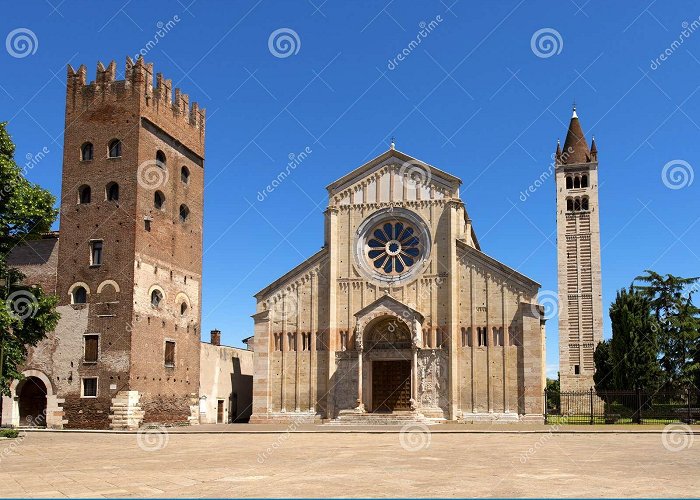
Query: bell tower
[578,258]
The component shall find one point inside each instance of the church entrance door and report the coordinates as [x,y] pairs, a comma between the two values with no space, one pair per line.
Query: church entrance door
[391,385]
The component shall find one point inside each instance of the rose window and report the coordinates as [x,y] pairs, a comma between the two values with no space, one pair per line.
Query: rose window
[393,247]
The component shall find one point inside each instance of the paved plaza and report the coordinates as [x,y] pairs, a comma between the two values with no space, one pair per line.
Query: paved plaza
[440,462]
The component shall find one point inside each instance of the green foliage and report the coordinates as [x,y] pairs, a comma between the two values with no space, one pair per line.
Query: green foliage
[603,376]
[553,395]
[26,313]
[679,325]
[633,347]
[9,433]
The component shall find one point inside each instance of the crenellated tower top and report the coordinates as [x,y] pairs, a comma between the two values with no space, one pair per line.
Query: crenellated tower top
[156,103]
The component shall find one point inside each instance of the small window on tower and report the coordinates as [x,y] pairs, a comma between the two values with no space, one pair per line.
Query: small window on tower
[584,181]
[86,152]
[156,298]
[112,191]
[84,194]
[169,353]
[569,182]
[584,203]
[89,389]
[79,295]
[185,175]
[159,200]
[91,348]
[96,253]
[577,182]
[184,213]
[115,148]
[577,370]
[183,308]
[160,159]
[570,205]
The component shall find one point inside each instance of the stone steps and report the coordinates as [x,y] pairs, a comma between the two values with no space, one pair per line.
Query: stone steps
[353,418]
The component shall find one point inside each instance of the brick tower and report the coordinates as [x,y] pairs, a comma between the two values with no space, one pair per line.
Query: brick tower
[130,253]
[578,255]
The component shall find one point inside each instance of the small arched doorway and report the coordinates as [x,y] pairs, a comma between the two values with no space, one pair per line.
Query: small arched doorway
[388,345]
[31,393]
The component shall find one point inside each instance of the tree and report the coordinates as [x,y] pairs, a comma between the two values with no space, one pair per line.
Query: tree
[603,377]
[633,347]
[553,394]
[26,313]
[679,324]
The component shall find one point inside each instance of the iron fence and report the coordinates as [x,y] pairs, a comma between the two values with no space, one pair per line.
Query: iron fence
[637,406]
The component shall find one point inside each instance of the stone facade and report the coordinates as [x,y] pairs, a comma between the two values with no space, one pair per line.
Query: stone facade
[225,383]
[462,329]
[146,245]
[578,256]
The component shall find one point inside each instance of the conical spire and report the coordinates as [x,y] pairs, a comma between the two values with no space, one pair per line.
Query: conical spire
[575,146]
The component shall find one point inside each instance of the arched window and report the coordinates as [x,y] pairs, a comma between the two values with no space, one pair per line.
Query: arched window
[84,194]
[569,205]
[86,152]
[584,203]
[156,298]
[115,148]
[160,159]
[183,308]
[584,181]
[569,182]
[79,295]
[577,182]
[185,175]
[159,200]
[184,213]
[112,191]
[577,204]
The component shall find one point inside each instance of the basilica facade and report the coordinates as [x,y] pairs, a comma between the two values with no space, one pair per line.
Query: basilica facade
[400,312]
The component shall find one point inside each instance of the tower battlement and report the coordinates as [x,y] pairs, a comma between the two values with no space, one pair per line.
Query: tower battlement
[137,85]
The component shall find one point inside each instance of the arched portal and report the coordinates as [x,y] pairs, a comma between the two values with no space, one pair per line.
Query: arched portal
[31,393]
[388,345]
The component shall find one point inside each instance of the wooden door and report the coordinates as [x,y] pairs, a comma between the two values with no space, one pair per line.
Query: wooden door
[391,386]
[220,411]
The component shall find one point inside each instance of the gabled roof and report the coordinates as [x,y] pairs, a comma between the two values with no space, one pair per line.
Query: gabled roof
[362,170]
[391,300]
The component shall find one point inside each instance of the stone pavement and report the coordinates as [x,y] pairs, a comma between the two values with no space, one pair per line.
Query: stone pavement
[419,463]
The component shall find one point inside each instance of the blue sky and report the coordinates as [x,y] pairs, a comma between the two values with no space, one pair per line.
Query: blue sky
[474,98]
